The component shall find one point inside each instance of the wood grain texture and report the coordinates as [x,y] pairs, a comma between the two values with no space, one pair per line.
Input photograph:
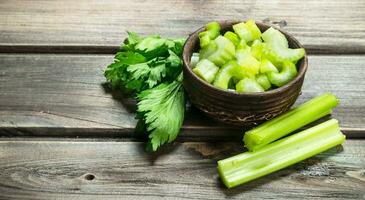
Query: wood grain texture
[328,26]
[122,170]
[65,95]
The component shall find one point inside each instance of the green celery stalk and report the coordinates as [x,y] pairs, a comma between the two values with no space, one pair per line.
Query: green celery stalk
[290,121]
[248,166]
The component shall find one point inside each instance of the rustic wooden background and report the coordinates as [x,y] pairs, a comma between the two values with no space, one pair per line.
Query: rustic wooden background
[64,135]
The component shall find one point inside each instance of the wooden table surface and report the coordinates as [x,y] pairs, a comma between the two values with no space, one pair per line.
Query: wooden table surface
[65,135]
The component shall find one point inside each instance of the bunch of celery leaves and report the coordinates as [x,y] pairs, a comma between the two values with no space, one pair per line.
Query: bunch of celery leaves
[150,70]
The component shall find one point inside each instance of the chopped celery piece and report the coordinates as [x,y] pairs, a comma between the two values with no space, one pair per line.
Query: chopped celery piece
[242,45]
[278,48]
[241,30]
[204,38]
[288,72]
[212,31]
[233,37]
[213,26]
[263,81]
[248,166]
[194,59]
[247,31]
[266,66]
[206,70]
[248,85]
[257,48]
[272,36]
[290,121]
[247,61]
[279,54]
[208,50]
[254,30]
[224,52]
[226,73]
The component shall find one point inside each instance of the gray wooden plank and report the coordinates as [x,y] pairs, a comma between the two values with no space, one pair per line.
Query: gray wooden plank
[31,169]
[328,26]
[65,95]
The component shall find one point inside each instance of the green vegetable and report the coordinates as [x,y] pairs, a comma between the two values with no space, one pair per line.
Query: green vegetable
[272,36]
[242,45]
[248,85]
[212,31]
[247,61]
[290,121]
[277,47]
[206,70]
[233,37]
[208,50]
[226,73]
[149,69]
[257,49]
[266,63]
[224,52]
[288,72]
[278,54]
[263,81]
[162,109]
[247,31]
[266,66]
[248,166]
[194,59]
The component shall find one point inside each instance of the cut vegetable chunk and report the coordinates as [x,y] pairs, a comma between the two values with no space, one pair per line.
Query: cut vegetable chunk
[247,31]
[290,121]
[279,54]
[253,29]
[206,70]
[233,37]
[266,66]
[194,59]
[274,36]
[288,72]
[212,31]
[248,85]
[225,51]
[263,81]
[257,48]
[278,49]
[208,50]
[248,166]
[226,73]
[247,61]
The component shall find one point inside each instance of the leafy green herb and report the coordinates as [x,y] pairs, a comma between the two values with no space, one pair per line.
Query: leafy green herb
[150,69]
[162,108]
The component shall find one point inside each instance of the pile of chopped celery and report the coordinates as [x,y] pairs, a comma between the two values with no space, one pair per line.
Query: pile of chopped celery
[245,60]
[270,152]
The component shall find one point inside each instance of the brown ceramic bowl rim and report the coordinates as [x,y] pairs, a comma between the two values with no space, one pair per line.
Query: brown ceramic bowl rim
[301,72]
